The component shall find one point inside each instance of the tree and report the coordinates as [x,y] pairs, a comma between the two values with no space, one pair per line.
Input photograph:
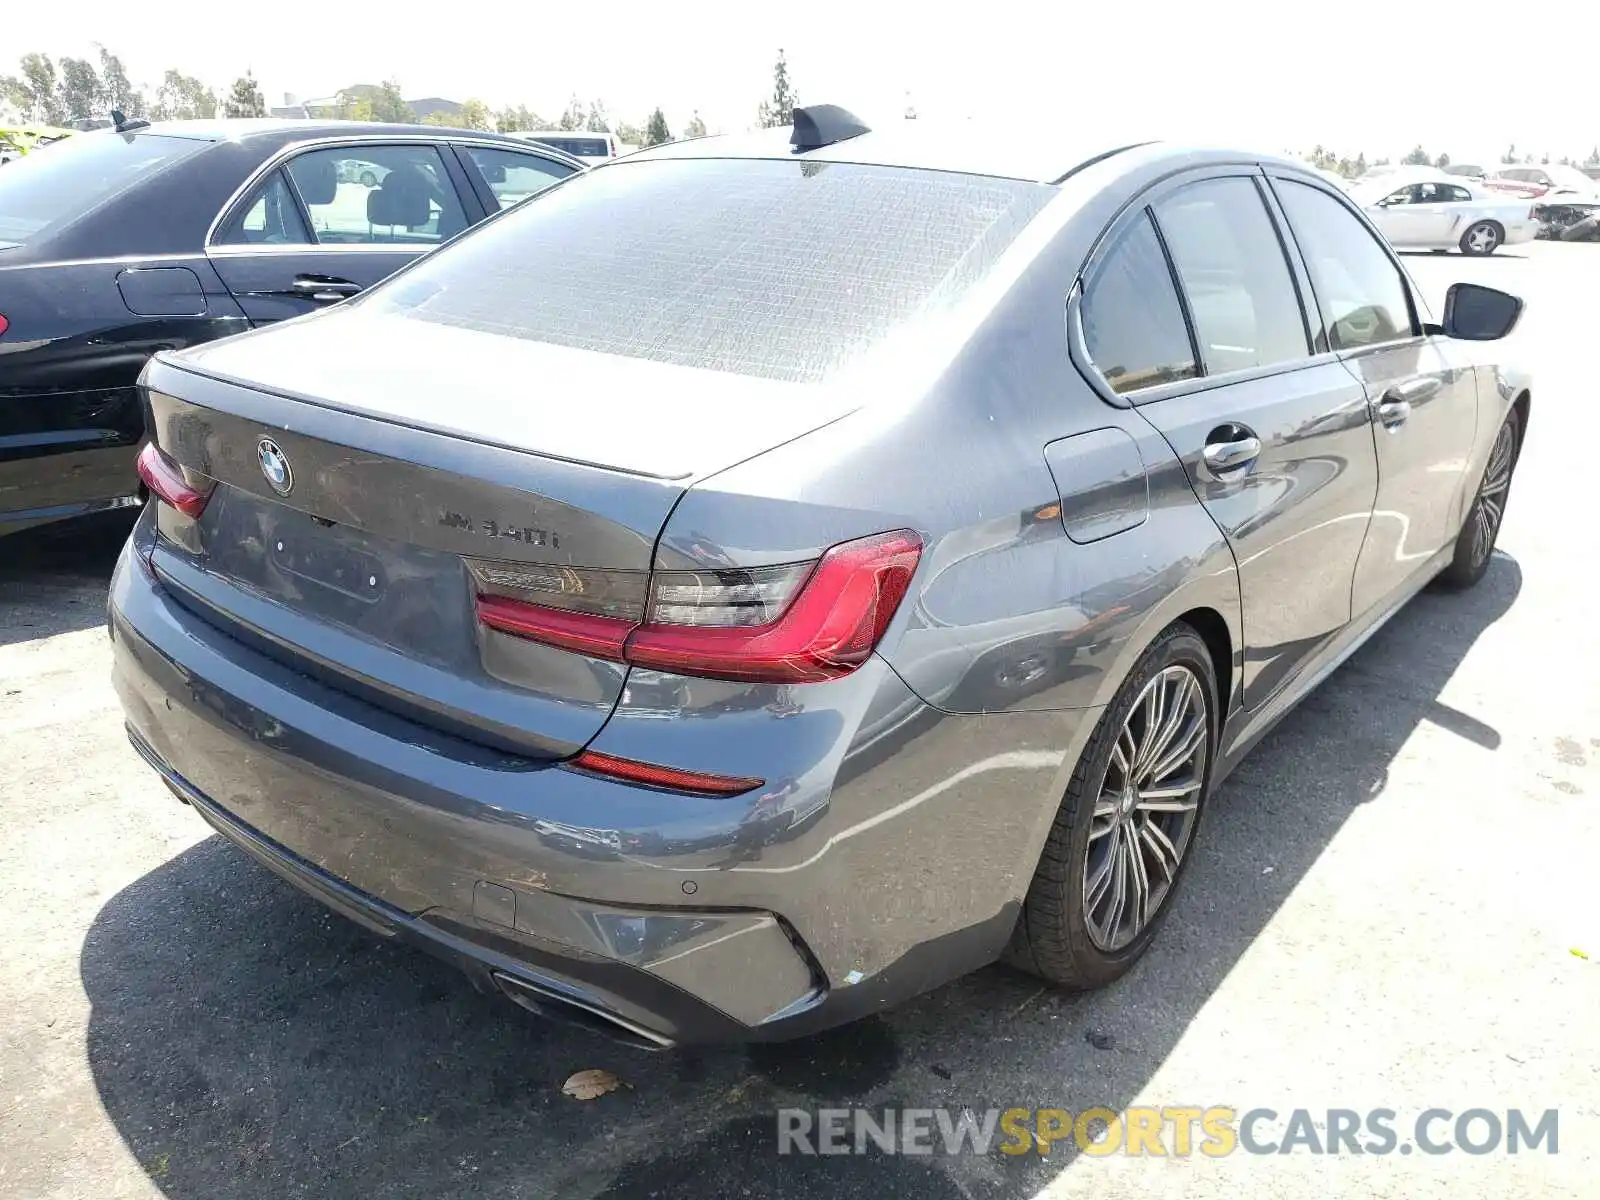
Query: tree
[1417,158]
[511,120]
[656,131]
[574,117]
[389,106]
[474,114]
[82,96]
[629,135]
[597,121]
[780,109]
[1442,161]
[1594,158]
[1545,161]
[183,97]
[696,128]
[34,91]
[1510,156]
[119,93]
[1360,165]
[245,99]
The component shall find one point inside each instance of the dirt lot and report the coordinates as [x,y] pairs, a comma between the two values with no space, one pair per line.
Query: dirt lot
[1382,913]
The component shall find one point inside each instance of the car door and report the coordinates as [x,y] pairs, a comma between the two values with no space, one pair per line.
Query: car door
[1402,217]
[1431,213]
[326,222]
[504,176]
[1423,404]
[1272,430]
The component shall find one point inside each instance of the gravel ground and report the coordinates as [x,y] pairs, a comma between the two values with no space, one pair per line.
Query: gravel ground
[1382,913]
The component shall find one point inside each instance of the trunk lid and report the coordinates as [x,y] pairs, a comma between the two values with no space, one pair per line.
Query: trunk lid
[403,468]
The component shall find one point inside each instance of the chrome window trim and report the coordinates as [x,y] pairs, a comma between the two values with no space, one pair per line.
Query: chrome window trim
[333,142]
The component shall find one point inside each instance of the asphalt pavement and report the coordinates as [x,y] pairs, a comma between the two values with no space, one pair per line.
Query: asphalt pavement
[1383,913]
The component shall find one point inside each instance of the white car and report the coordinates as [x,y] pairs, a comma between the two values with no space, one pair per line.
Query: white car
[1427,209]
[591,149]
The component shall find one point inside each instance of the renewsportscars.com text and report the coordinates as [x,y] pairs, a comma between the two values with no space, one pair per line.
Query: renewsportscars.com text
[1170,1130]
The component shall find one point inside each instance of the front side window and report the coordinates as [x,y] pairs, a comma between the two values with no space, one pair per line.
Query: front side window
[377,194]
[1133,324]
[514,176]
[1234,274]
[1361,292]
[1457,195]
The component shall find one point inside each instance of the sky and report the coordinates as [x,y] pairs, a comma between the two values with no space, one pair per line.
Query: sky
[1283,75]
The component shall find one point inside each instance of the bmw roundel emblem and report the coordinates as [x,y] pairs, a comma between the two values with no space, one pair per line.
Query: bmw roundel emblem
[275,466]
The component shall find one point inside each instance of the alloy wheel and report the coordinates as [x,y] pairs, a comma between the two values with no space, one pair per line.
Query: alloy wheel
[1491,506]
[1482,238]
[1145,812]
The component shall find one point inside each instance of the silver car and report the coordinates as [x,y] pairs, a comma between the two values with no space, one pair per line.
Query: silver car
[763,578]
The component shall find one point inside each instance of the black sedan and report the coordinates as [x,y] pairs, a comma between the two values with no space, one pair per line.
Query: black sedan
[121,242]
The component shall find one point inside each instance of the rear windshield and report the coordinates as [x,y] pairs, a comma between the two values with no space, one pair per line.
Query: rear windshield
[786,270]
[60,182]
[583,147]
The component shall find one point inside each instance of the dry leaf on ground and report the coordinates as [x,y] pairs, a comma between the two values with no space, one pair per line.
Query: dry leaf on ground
[589,1085]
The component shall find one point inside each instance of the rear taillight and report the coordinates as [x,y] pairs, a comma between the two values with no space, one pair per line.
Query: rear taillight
[4,324]
[793,623]
[167,481]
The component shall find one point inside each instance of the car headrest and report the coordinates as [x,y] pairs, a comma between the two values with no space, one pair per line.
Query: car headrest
[395,202]
[316,177]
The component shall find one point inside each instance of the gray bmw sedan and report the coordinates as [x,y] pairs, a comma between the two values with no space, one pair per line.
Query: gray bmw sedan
[765,577]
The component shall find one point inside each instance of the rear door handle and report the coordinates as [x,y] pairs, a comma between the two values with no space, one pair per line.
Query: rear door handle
[323,288]
[1227,456]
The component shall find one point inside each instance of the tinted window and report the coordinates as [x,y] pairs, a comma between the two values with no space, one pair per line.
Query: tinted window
[776,268]
[1132,323]
[581,146]
[1456,194]
[512,176]
[58,183]
[271,218]
[1230,263]
[1359,289]
[377,194]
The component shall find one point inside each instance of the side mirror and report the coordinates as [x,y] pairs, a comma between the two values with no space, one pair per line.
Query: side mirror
[1474,313]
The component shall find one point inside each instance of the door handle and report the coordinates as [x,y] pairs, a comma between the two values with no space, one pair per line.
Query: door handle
[1393,411]
[322,288]
[1229,457]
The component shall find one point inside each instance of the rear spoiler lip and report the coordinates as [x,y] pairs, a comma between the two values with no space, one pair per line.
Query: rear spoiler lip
[162,362]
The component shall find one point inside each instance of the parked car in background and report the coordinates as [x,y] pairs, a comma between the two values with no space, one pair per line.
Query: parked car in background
[1466,170]
[1420,208]
[1542,181]
[772,575]
[589,148]
[1567,219]
[116,244]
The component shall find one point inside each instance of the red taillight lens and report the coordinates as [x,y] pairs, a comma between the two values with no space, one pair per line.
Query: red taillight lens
[793,623]
[827,630]
[651,775]
[4,324]
[166,480]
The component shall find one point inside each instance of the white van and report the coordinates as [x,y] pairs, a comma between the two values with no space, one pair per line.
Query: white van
[591,148]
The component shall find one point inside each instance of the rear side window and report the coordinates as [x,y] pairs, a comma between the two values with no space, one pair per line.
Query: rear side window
[271,219]
[782,269]
[1133,325]
[1359,289]
[1231,265]
[58,183]
[364,194]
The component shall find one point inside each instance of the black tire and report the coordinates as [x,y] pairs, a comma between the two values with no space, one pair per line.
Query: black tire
[1492,236]
[1052,937]
[1472,555]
